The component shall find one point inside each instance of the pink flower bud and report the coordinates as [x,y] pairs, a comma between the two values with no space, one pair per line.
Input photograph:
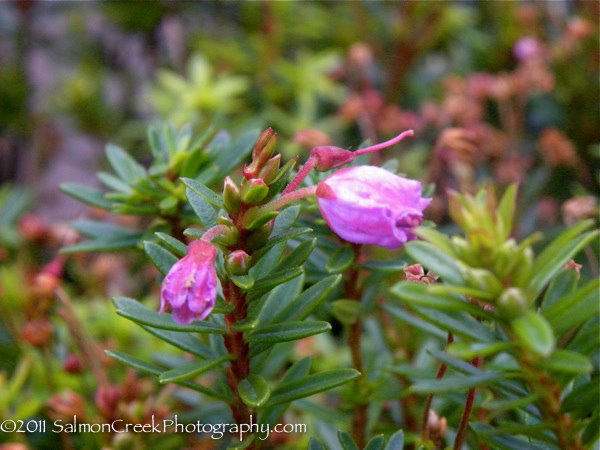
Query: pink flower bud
[369,205]
[190,288]
[527,48]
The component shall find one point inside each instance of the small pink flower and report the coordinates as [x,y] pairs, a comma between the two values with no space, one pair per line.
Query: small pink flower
[369,205]
[528,48]
[190,288]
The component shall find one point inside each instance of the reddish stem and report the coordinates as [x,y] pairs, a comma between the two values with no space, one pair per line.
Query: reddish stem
[439,375]
[464,420]
[300,176]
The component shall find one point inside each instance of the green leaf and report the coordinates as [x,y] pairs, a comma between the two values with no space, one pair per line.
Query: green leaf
[346,441]
[278,299]
[192,369]
[287,331]
[467,351]
[534,333]
[231,156]
[558,253]
[299,255]
[436,238]
[583,399]
[421,295]
[284,235]
[376,443]
[286,218]
[310,385]
[435,260]
[414,321]
[315,444]
[134,310]
[566,361]
[458,323]
[346,311]
[172,244]
[127,168]
[204,192]
[341,260]
[298,370]
[454,383]
[112,244]
[93,229]
[396,441]
[184,341]
[575,308]
[265,261]
[202,208]
[244,282]
[160,257]
[275,279]
[87,195]
[309,300]
[506,210]
[254,391]
[135,363]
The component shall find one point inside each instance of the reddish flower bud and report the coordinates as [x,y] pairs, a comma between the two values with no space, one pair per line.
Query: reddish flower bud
[37,332]
[253,191]
[32,227]
[72,364]
[238,262]
[190,288]
[329,157]
[369,205]
[107,399]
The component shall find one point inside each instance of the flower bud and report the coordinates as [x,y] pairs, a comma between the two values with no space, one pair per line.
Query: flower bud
[229,238]
[269,172]
[72,364]
[66,405]
[484,280]
[37,332]
[231,196]
[512,303]
[254,191]
[190,288]
[238,262]
[329,157]
[369,205]
[107,399]
[263,150]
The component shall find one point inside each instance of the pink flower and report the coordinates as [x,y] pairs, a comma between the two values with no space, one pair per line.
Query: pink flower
[190,288]
[369,205]
[527,48]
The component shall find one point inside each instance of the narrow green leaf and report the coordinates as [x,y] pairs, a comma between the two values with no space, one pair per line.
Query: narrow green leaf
[376,443]
[134,362]
[346,311]
[275,279]
[422,295]
[281,236]
[160,257]
[287,331]
[566,361]
[201,190]
[534,333]
[244,282]
[300,254]
[454,383]
[435,260]
[114,183]
[467,351]
[127,168]
[341,260]
[94,229]
[436,238]
[506,210]
[286,218]
[134,310]
[346,441]
[202,208]
[103,245]
[184,341]
[310,385]
[584,398]
[414,321]
[254,391]
[575,308]
[558,253]
[87,195]
[315,444]
[396,441]
[192,369]
[172,244]
[309,300]
[265,262]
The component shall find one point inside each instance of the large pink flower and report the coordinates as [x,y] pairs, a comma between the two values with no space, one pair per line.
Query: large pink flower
[190,288]
[369,205]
